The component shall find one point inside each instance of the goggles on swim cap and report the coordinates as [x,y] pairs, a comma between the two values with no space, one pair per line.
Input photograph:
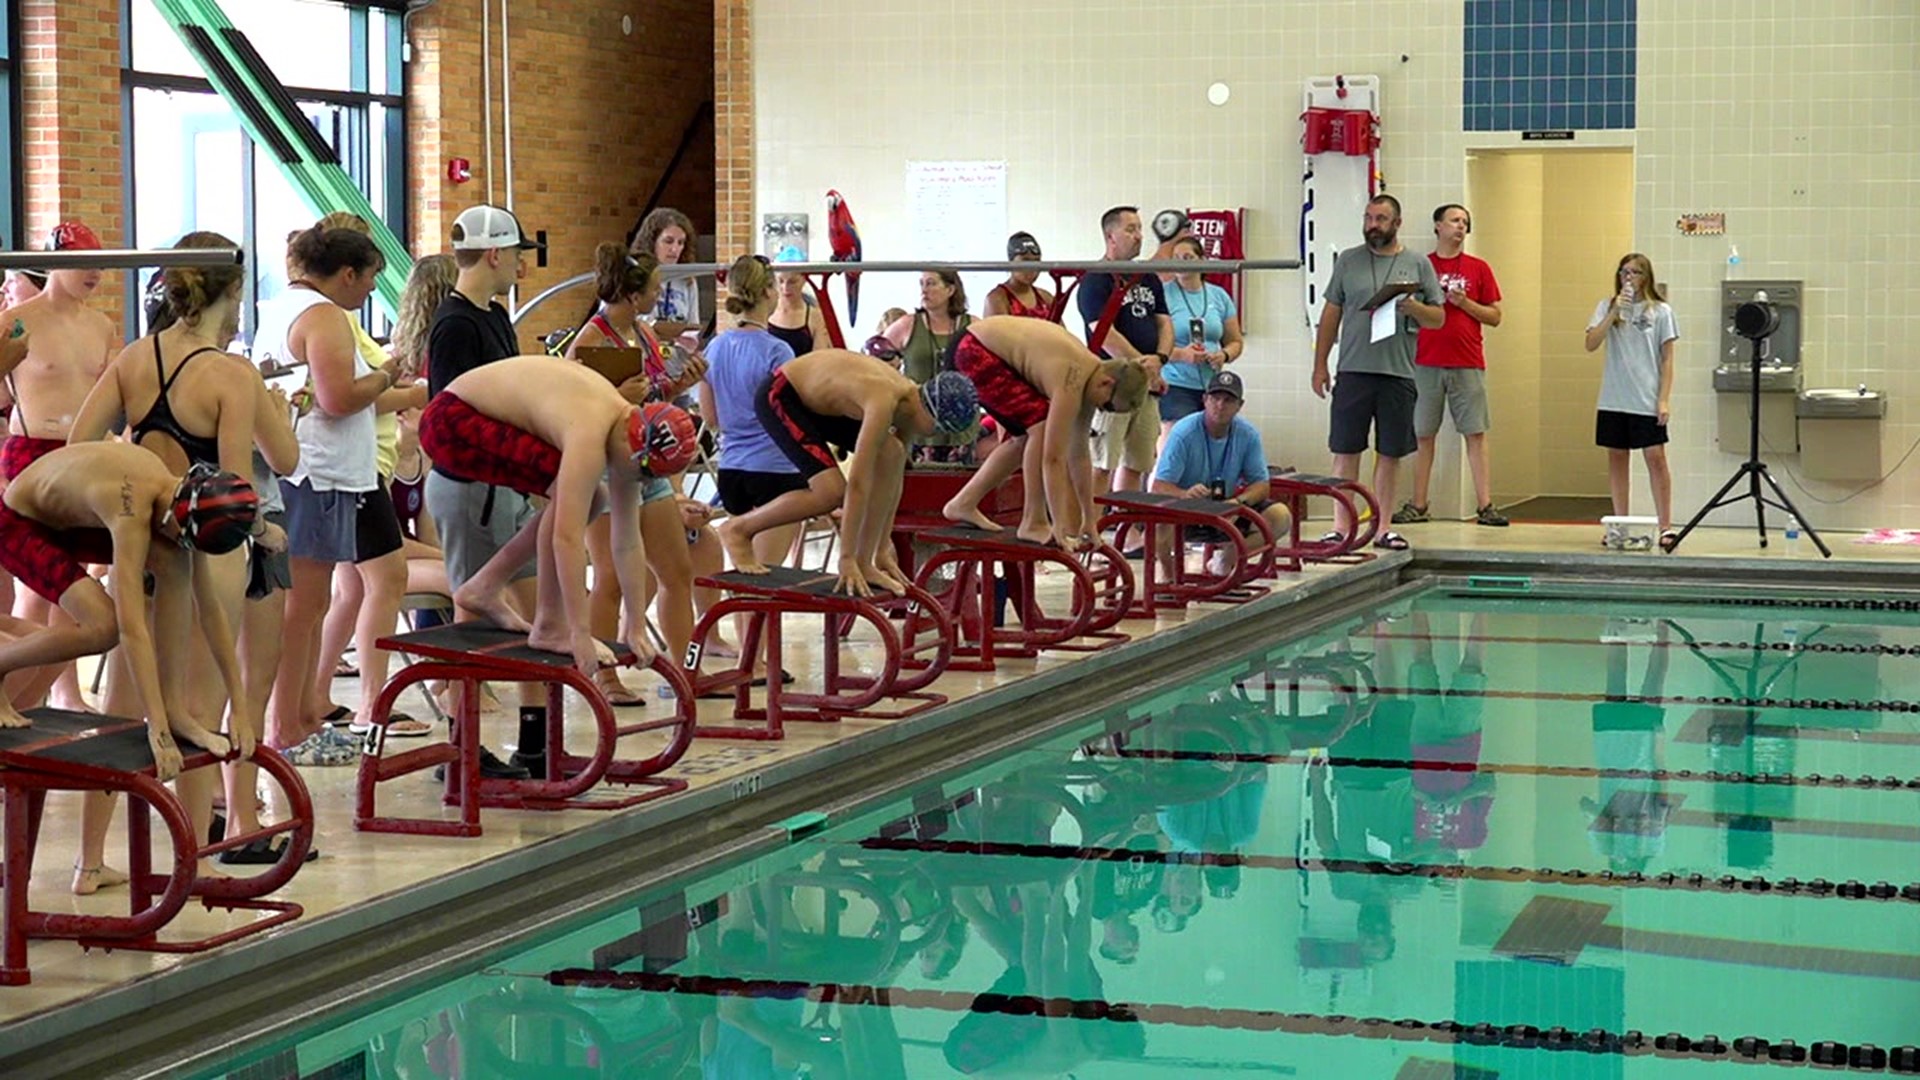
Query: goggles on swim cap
[661,438]
[952,400]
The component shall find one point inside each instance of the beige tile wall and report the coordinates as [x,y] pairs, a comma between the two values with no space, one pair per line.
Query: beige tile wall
[1798,121]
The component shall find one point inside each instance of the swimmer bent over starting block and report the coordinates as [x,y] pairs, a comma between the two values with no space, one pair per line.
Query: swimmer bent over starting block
[107,503]
[833,398]
[544,426]
[1041,385]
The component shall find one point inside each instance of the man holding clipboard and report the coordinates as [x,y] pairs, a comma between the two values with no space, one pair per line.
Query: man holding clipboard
[1378,299]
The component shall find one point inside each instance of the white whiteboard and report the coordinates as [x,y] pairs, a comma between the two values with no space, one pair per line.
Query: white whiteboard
[958,210]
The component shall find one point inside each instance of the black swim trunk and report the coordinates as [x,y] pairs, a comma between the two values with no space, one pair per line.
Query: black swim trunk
[742,490]
[806,437]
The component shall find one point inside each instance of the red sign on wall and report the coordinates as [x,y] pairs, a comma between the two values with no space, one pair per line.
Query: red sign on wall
[1223,234]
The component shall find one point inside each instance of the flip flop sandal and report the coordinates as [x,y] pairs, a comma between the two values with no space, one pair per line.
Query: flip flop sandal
[399,726]
[1391,541]
[344,670]
[1669,540]
[339,713]
[261,852]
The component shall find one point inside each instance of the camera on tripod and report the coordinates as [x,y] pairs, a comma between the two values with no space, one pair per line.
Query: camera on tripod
[1756,319]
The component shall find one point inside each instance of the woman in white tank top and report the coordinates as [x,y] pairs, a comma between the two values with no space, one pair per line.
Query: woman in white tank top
[310,323]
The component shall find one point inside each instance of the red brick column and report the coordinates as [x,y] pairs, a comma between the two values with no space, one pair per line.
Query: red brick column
[735,231]
[69,71]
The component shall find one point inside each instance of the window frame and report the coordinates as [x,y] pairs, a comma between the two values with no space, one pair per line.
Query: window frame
[13,212]
[355,150]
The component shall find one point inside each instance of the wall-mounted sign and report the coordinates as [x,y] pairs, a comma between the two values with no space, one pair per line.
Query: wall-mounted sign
[1714,224]
[1546,136]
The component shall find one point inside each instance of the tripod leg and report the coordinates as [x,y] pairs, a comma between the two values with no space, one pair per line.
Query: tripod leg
[1786,505]
[1719,499]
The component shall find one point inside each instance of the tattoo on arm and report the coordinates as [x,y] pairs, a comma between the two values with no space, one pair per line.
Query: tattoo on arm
[126,498]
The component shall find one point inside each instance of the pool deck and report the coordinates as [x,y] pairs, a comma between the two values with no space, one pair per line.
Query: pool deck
[368,882]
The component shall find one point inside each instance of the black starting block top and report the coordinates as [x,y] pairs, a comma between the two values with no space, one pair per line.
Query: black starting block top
[475,640]
[1308,479]
[60,740]
[777,580]
[967,534]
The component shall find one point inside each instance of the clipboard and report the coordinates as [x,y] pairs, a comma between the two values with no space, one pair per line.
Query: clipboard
[615,364]
[1390,292]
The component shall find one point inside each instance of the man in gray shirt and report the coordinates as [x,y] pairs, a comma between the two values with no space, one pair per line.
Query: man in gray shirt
[1379,298]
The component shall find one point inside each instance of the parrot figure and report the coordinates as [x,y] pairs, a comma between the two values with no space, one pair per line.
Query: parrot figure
[844,237]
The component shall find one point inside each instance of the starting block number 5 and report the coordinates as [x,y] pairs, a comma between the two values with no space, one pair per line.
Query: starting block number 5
[692,661]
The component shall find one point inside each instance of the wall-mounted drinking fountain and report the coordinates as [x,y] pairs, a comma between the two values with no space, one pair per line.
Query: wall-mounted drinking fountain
[1779,367]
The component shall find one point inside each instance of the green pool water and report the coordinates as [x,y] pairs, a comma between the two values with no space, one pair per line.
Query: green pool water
[1617,816]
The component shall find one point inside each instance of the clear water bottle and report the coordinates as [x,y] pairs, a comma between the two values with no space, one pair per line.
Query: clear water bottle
[1793,536]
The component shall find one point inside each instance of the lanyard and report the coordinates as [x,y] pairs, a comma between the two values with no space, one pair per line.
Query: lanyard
[1186,302]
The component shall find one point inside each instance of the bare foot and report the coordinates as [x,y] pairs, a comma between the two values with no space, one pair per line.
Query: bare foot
[721,649]
[879,578]
[550,637]
[189,731]
[209,870]
[739,548]
[968,515]
[492,607]
[11,717]
[88,880]
[1035,534]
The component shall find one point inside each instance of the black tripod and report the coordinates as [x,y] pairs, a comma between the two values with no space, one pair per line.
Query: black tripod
[1754,471]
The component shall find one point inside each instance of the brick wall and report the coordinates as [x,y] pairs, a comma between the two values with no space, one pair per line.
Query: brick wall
[597,114]
[733,138]
[69,71]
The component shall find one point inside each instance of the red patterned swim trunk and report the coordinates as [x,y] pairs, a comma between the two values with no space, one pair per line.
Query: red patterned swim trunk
[20,451]
[1013,402]
[49,561]
[466,444]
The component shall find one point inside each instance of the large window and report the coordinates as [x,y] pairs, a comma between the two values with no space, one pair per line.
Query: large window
[191,166]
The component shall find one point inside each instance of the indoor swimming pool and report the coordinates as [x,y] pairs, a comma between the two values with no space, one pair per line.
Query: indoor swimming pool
[1489,828]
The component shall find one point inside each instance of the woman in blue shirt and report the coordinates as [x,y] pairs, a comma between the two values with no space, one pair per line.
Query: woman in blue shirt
[1196,304]
[752,471]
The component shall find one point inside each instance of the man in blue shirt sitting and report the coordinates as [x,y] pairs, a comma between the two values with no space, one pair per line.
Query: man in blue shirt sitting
[1213,454]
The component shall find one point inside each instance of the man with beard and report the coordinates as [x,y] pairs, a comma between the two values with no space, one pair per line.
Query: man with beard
[1378,299]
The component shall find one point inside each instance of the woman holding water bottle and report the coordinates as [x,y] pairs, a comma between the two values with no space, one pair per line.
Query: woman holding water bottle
[1636,386]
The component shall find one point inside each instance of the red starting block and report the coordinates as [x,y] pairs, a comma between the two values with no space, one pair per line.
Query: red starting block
[1235,527]
[1296,487]
[473,653]
[912,656]
[1102,595]
[924,493]
[69,751]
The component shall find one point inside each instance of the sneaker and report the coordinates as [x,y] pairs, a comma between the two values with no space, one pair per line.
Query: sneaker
[527,766]
[492,768]
[1409,514]
[1489,515]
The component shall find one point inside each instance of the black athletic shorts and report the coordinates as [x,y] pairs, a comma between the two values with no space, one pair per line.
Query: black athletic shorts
[376,526]
[1364,400]
[1628,431]
[808,438]
[742,490]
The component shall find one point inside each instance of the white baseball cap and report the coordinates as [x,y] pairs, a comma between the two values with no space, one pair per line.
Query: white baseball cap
[484,228]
